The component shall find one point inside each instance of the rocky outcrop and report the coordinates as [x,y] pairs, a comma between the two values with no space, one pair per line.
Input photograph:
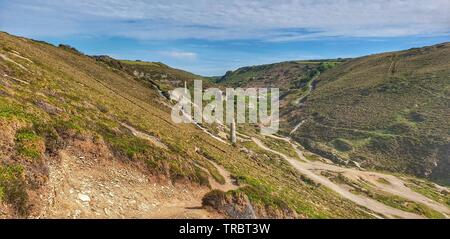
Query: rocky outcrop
[236,205]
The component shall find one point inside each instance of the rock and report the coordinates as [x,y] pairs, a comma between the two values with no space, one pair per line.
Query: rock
[236,205]
[84,197]
[76,214]
[51,109]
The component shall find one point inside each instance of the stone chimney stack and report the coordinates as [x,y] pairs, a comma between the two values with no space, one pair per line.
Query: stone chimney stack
[233,132]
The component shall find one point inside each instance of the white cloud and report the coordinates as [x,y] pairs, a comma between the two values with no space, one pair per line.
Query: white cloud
[229,19]
[180,55]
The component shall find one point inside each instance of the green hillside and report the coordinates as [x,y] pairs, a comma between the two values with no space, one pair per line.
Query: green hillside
[55,101]
[157,74]
[387,111]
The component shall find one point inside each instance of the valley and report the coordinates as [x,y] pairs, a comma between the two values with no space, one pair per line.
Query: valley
[91,137]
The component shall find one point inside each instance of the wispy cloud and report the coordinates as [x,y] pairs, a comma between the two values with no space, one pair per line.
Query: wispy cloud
[180,55]
[231,19]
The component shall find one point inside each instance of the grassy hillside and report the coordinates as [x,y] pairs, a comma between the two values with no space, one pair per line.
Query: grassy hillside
[295,79]
[285,75]
[157,74]
[387,111]
[54,99]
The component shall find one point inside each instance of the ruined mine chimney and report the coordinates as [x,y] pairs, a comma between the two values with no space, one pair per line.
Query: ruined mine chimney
[233,132]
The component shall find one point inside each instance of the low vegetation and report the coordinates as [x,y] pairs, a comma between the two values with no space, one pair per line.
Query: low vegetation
[386,111]
[61,96]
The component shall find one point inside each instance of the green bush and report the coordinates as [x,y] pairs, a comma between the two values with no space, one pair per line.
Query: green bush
[342,145]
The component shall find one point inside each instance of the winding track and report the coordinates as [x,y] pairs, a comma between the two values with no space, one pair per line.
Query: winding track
[395,186]
[360,200]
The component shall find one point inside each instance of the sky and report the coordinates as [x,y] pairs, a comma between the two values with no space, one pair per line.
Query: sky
[210,37]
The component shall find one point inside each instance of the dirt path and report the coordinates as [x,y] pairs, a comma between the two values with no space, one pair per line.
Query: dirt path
[360,200]
[155,141]
[308,91]
[297,126]
[175,96]
[91,188]
[5,58]
[392,185]
[380,181]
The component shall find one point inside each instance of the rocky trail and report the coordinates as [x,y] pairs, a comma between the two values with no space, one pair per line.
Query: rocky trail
[92,188]
[86,187]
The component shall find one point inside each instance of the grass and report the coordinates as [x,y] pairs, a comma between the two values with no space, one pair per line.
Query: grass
[158,161]
[29,145]
[341,145]
[395,120]
[10,109]
[280,146]
[429,190]
[13,187]
[383,181]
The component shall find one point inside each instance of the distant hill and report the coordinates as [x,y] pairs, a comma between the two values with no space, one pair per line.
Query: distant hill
[295,79]
[284,75]
[156,73]
[386,111]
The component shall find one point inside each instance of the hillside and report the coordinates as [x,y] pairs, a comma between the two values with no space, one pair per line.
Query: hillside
[284,75]
[388,111]
[157,74]
[293,78]
[84,137]
[77,136]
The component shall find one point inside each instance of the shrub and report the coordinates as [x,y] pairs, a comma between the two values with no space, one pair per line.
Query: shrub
[342,145]
[29,145]
[13,187]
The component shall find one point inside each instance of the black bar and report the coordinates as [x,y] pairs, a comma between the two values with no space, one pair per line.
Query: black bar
[232,229]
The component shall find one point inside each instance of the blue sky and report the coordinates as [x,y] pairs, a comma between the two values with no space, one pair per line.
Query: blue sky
[210,37]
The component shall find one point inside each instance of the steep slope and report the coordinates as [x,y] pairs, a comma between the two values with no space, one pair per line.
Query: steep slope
[71,126]
[284,75]
[387,111]
[159,75]
[293,78]
[386,194]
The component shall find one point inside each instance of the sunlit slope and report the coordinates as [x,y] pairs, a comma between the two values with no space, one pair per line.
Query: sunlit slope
[387,111]
[157,74]
[56,99]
